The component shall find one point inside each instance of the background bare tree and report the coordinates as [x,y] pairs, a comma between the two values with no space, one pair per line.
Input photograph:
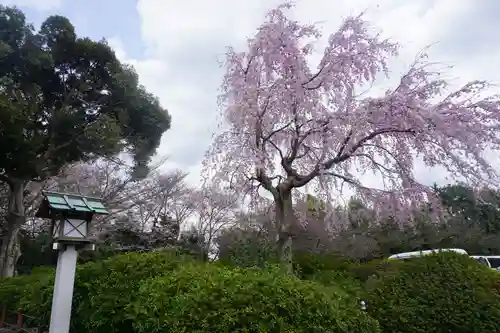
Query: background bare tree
[214,210]
[142,211]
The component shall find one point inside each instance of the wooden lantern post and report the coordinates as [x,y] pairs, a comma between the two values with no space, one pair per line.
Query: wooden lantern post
[71,216]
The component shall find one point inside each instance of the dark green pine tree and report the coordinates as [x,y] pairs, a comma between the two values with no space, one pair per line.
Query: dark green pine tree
[64,99]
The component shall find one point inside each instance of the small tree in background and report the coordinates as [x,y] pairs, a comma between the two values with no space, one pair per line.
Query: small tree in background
[214,211]
[64,99]
[287,125]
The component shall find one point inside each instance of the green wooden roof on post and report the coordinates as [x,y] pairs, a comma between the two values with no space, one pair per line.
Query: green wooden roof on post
[74,204]
[71,216]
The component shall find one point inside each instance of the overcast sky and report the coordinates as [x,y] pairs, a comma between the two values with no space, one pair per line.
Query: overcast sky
[176,46]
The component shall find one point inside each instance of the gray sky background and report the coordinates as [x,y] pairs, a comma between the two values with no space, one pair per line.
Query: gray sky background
[176,45]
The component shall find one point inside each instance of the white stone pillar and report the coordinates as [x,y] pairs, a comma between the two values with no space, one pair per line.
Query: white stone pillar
[60,315]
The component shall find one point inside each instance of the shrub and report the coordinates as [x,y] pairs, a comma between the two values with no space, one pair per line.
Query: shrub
[110,285]
[308,264]
[374,268]
[208,298]
[248,251]
[13,290]
[36,300]
[167,292]
[102,286]
[327,269]
[437,294]
[340,279]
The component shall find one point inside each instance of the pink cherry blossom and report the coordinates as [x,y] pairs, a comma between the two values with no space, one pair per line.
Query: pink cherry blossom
[287,125]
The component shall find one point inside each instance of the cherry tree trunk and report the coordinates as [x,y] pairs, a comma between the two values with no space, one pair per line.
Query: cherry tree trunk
[285,220]
[9,243]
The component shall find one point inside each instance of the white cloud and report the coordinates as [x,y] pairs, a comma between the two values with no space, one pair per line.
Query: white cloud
[185,40]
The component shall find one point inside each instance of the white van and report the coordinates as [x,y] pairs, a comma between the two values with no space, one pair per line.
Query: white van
[482,260]
[493,260]
[407,255]
[414,254]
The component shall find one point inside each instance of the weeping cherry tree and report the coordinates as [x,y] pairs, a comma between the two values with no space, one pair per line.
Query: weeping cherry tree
[287,125]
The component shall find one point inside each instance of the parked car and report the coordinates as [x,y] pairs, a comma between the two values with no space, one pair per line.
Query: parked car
[414,254]
[479,258]
[494,261]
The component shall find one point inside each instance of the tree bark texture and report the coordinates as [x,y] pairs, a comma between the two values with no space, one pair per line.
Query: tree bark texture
[9,244]
[285,221]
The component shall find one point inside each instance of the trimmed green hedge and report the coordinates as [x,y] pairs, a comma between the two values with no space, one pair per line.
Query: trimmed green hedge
[208,298]
[434,294]
[437,294]
[329,270]
[106,286]
[12,290]
[307,264]
[167,292]
[164,292]
[377,268]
